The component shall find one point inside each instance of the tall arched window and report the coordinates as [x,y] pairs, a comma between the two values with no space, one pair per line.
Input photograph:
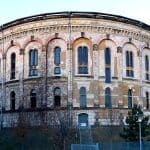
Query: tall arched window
[107,65]
[82,97]
[33,62]
[129,98]
[12,100]
[147,100]
[13,66]
[129,64]
[83,120]
[82,60]
[57,52]
[33,98]
[146,67]
[57,97]
[108,98]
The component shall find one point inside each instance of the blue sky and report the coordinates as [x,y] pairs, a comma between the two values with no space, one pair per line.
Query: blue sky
[14,9]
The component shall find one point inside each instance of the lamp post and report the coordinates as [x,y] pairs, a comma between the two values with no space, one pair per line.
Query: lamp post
[140,117]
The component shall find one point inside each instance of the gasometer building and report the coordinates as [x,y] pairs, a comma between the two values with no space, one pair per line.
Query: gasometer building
[94,66]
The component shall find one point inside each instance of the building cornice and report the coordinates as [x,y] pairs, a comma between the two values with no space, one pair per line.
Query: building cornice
[72,14]
[104,29]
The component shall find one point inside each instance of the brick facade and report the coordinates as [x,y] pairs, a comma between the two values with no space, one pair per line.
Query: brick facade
[69,31]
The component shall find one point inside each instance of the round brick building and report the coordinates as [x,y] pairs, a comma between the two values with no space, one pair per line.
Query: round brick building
[91,66]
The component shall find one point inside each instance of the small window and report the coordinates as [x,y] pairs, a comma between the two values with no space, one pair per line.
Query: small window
[13,66]
[83,120]
[12,100]
[82,97]
[147,100]
[129,98]
[83,60]
[57,70]
[108,98]
[33,62]
[33,98]
[57,97]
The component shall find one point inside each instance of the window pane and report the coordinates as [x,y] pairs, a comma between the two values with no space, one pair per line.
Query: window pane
[80,55]
[146,63]
[107,75]
[82,97]
[31,57]
[57,70]
[33,98]
[57,97]
[107,97]
[127,58]
[129,98]
[13,66]
[107,56]
[85,55]
[131,59]
[57,55]
[12,99]
[35,57]
[147,100]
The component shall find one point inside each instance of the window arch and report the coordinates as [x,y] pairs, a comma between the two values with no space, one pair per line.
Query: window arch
[146,67]
[130,98]
[147,100]
[57,97]
[107,65]
[12,100]
[108,98]
[83,120]
[33,62]
[82,60]
[33,98]
[13,65]
[129,64]
[83,97]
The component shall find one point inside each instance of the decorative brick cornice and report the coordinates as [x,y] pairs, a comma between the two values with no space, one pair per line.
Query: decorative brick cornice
[95,47]
[104,29]
[21,51]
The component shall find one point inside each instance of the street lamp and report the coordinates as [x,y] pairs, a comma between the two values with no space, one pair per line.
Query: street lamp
[140,117]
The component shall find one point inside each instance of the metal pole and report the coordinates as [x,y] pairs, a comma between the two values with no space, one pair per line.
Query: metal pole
[140,141]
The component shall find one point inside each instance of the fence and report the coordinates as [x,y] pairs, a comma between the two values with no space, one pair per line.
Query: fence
[84,147]
[124,146]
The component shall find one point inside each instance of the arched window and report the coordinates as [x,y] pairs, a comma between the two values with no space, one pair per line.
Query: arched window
[12,100]
[13,66]
[108,98]
[129,64]
[82,60]
[57,52]
[57,97]
[83,120]
[82,97]
[147,100]
[146,67]
[129,98]
[33,98]
[33,62]
[107,65]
